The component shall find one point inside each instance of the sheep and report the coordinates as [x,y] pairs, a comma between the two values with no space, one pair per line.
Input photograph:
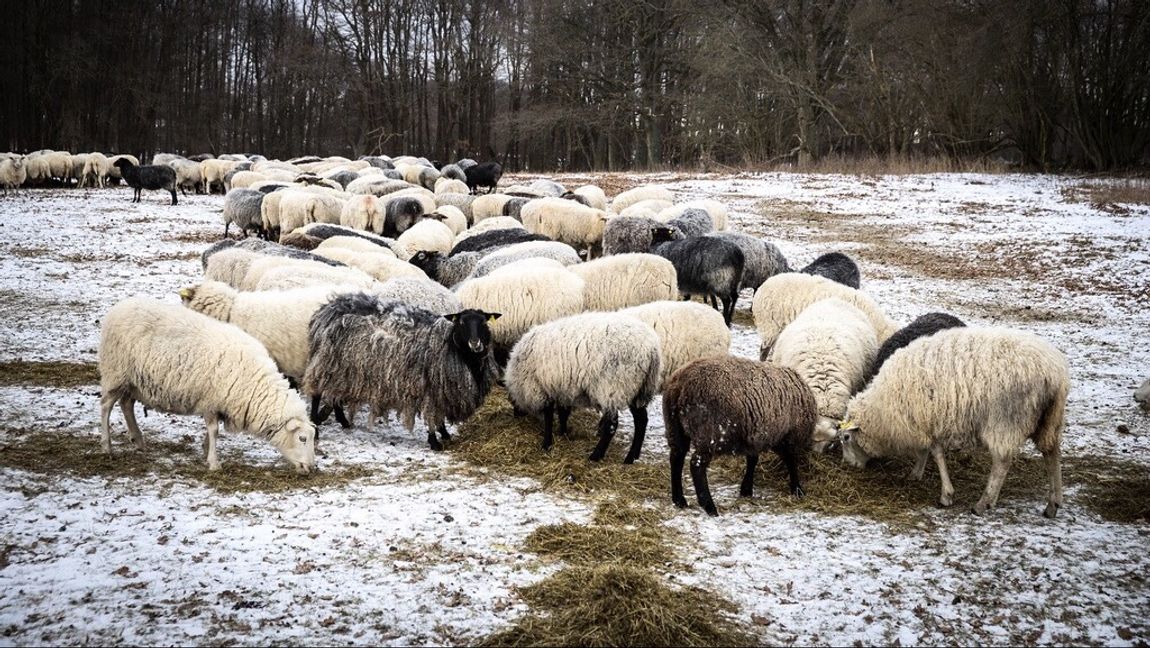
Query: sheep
[625,234]
[645,206]
[453,172]
[214,172]
[594,196]
[715,209]
[394,356]
[1142,396]
[462,202]
[114,171]
[546,187]
[96,170]
[781,298]
[297,239]
[487,240]
[291,276]
[400,213]
[429,235]
[562,253]
[450,185]
[453,218]
[188,174]
[380,266]
[178,361]
[38,170]
[343,177]
[831,344]
[447,271]
[958,389]
[76,165]
[266,248]
[360,211]
[60,164]
[165,158]
[486,174]
[327,230]
[687,331]
[922,326]
[489,224]
[488,206]
[705,266]
[421,292]
[242,207]
[837,267]
[693,222]
[514,208]
[595,360]
[761,259]
[525,299]
[13,173]
[299,208]
[565,221]
[464,163]
[270,212]
[582,200]
[624,280]
[354,243]
[245,179]
[732,405]
[257,268]
[375,185]
[647,192]
[147,177]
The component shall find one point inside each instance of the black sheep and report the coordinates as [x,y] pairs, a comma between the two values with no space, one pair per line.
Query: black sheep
[148,176]
[705,266]
[835,266]
[483,175]
[495,238]
[922,326]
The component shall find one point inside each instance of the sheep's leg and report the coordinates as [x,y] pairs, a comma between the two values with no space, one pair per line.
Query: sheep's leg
[607,425]
[564,414]
[999,466]
[790,459]
[431,440]
[728,310]
[548,421]
[747,488]
[107,401]
[678,444]
[920,465]
[173,192]
[128,407]
[699,464]
[441,427]
[1053,460]
[341,417]
[213,456]
[639,415]
[947,496]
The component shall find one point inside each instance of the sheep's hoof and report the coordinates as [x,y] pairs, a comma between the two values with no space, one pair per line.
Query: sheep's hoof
[213,467]
[680,503]
[596,456]
[711,510]
[1051,510]
[629,459]
[798,492]
[434,443]
[946,501]
[979,508]
[746,492]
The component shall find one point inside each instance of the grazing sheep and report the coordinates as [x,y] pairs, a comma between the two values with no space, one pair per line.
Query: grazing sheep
[489,224]
[545,187]
[593,195]
[487,240]
[453,172]
[705,266]
[174,360]
[595,360]
[582,200]
[96,171]
[687,331]
[922,326]
[375,185]
[76,164]
[781,298]
[360,211]
[450,185]
[959,389]
[462,202]
[427,235]
[245,179]
[229,265]
[693,222]
[147,177]
[421,292]
[486,174]
[343,177]
[447,271]
[464,163]
[297,239]
[1142,396]
[646,192]
[565,221]
[214,172]
[514,208]
[242,207]
[13,173]
[393,356]
[327,230]
[380,266]
[300,208]
[60,164]
[715,209]
[452,217]
[355,244]
[624,280]
[488,206]
[646,208]
[39,171]
[400,213]
[831,344]
[560,252]
[627,234]
[761,259]
[731,405]
[525,299]
[257,268]
[837,267]
[188,175]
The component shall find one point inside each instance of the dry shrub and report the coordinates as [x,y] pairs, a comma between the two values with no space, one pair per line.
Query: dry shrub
[1111,195]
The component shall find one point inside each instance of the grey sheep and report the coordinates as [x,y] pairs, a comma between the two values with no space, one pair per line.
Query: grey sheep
[922,326]
[378,162]
[693,222]
[262,247]
[448,271]
[393,356]
[705,266]
[325,231]
[514,207]
[731,405]
[837,267]
[561,252]
[633,234]
[453,171]
[344,178]
[242,207]
[761,259]
[461,201]
[401,213]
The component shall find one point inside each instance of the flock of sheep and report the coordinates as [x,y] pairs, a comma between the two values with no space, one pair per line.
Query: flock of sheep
[394,284]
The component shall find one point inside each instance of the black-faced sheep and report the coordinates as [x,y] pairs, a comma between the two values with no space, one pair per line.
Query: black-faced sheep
[485,175]
[730,405]
[705,266]
[922,326]
[150,176]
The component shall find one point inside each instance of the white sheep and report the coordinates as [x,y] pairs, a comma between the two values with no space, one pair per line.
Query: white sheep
[594,195]
[299,208]
[782,297]
[962,388]
[59,164]
[624,280]
[353,243]
[453,217]
[715,209]
[488,224]
[380,266]
[189,174]
[646,207]
[428,235]
[290,277]
[360,211]
[96,170]
[560,253]
[76,168]
[13,173]
[421,292]
[450,185]
[245,179]
[174,360]
[230,265]
[596,360]
[214,171]
[258,268]
[646,192]
[831,345]
[488,206]
[565,221]
[687,331]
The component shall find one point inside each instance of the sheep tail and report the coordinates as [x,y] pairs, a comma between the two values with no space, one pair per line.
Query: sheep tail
[1048,434]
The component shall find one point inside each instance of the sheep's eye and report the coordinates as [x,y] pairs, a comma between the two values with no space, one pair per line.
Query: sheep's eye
[846,436]
[302,439]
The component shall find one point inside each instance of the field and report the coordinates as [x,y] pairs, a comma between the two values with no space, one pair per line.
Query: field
[494,541]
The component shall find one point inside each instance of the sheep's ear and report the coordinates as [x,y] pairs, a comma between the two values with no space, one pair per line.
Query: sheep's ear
[453,318]
[491,317]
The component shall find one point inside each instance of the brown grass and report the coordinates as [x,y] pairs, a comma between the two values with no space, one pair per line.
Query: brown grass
[1111,195]
[202,236]
[48,374]
[893,165]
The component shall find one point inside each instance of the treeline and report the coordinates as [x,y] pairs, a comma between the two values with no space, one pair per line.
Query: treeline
[596,84]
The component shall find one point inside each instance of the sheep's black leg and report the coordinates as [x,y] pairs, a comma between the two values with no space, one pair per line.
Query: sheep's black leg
[227,225]
[443,433]
[432,441]
[173,192]
[679,444]
[699,464]
[548,421]
[639,415]
[714,304]
[790,459]
[564,414]
[728,309]
[747,488]
[341,417]
[607,426]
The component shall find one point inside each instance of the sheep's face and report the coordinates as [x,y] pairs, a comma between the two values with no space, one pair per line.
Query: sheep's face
[298,445]
[471,331]
[852,453]
[826,430]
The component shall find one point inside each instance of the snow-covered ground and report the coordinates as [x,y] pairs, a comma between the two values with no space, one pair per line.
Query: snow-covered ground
[416,553]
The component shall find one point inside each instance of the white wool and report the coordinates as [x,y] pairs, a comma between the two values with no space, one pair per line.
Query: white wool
[486,225]
[523,299]
[360,211]
[488,206]
[687,331]
[594,196]
[380,266]
[646,192]
[644,207]
[451,185]
[428,235]
[259,267]
[715,209]
[624,280]
[245,179]
[453,217]
[353,243]
[565,221]
[560,253]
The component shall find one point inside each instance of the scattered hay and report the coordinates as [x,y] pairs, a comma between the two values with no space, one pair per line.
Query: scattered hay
[620,605]
[1111,195]
[1118,491]
[80,455]
[48,374]
[616,512]
[202,236]
[594,544]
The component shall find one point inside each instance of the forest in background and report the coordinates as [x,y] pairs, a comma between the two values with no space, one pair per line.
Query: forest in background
[585,85]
